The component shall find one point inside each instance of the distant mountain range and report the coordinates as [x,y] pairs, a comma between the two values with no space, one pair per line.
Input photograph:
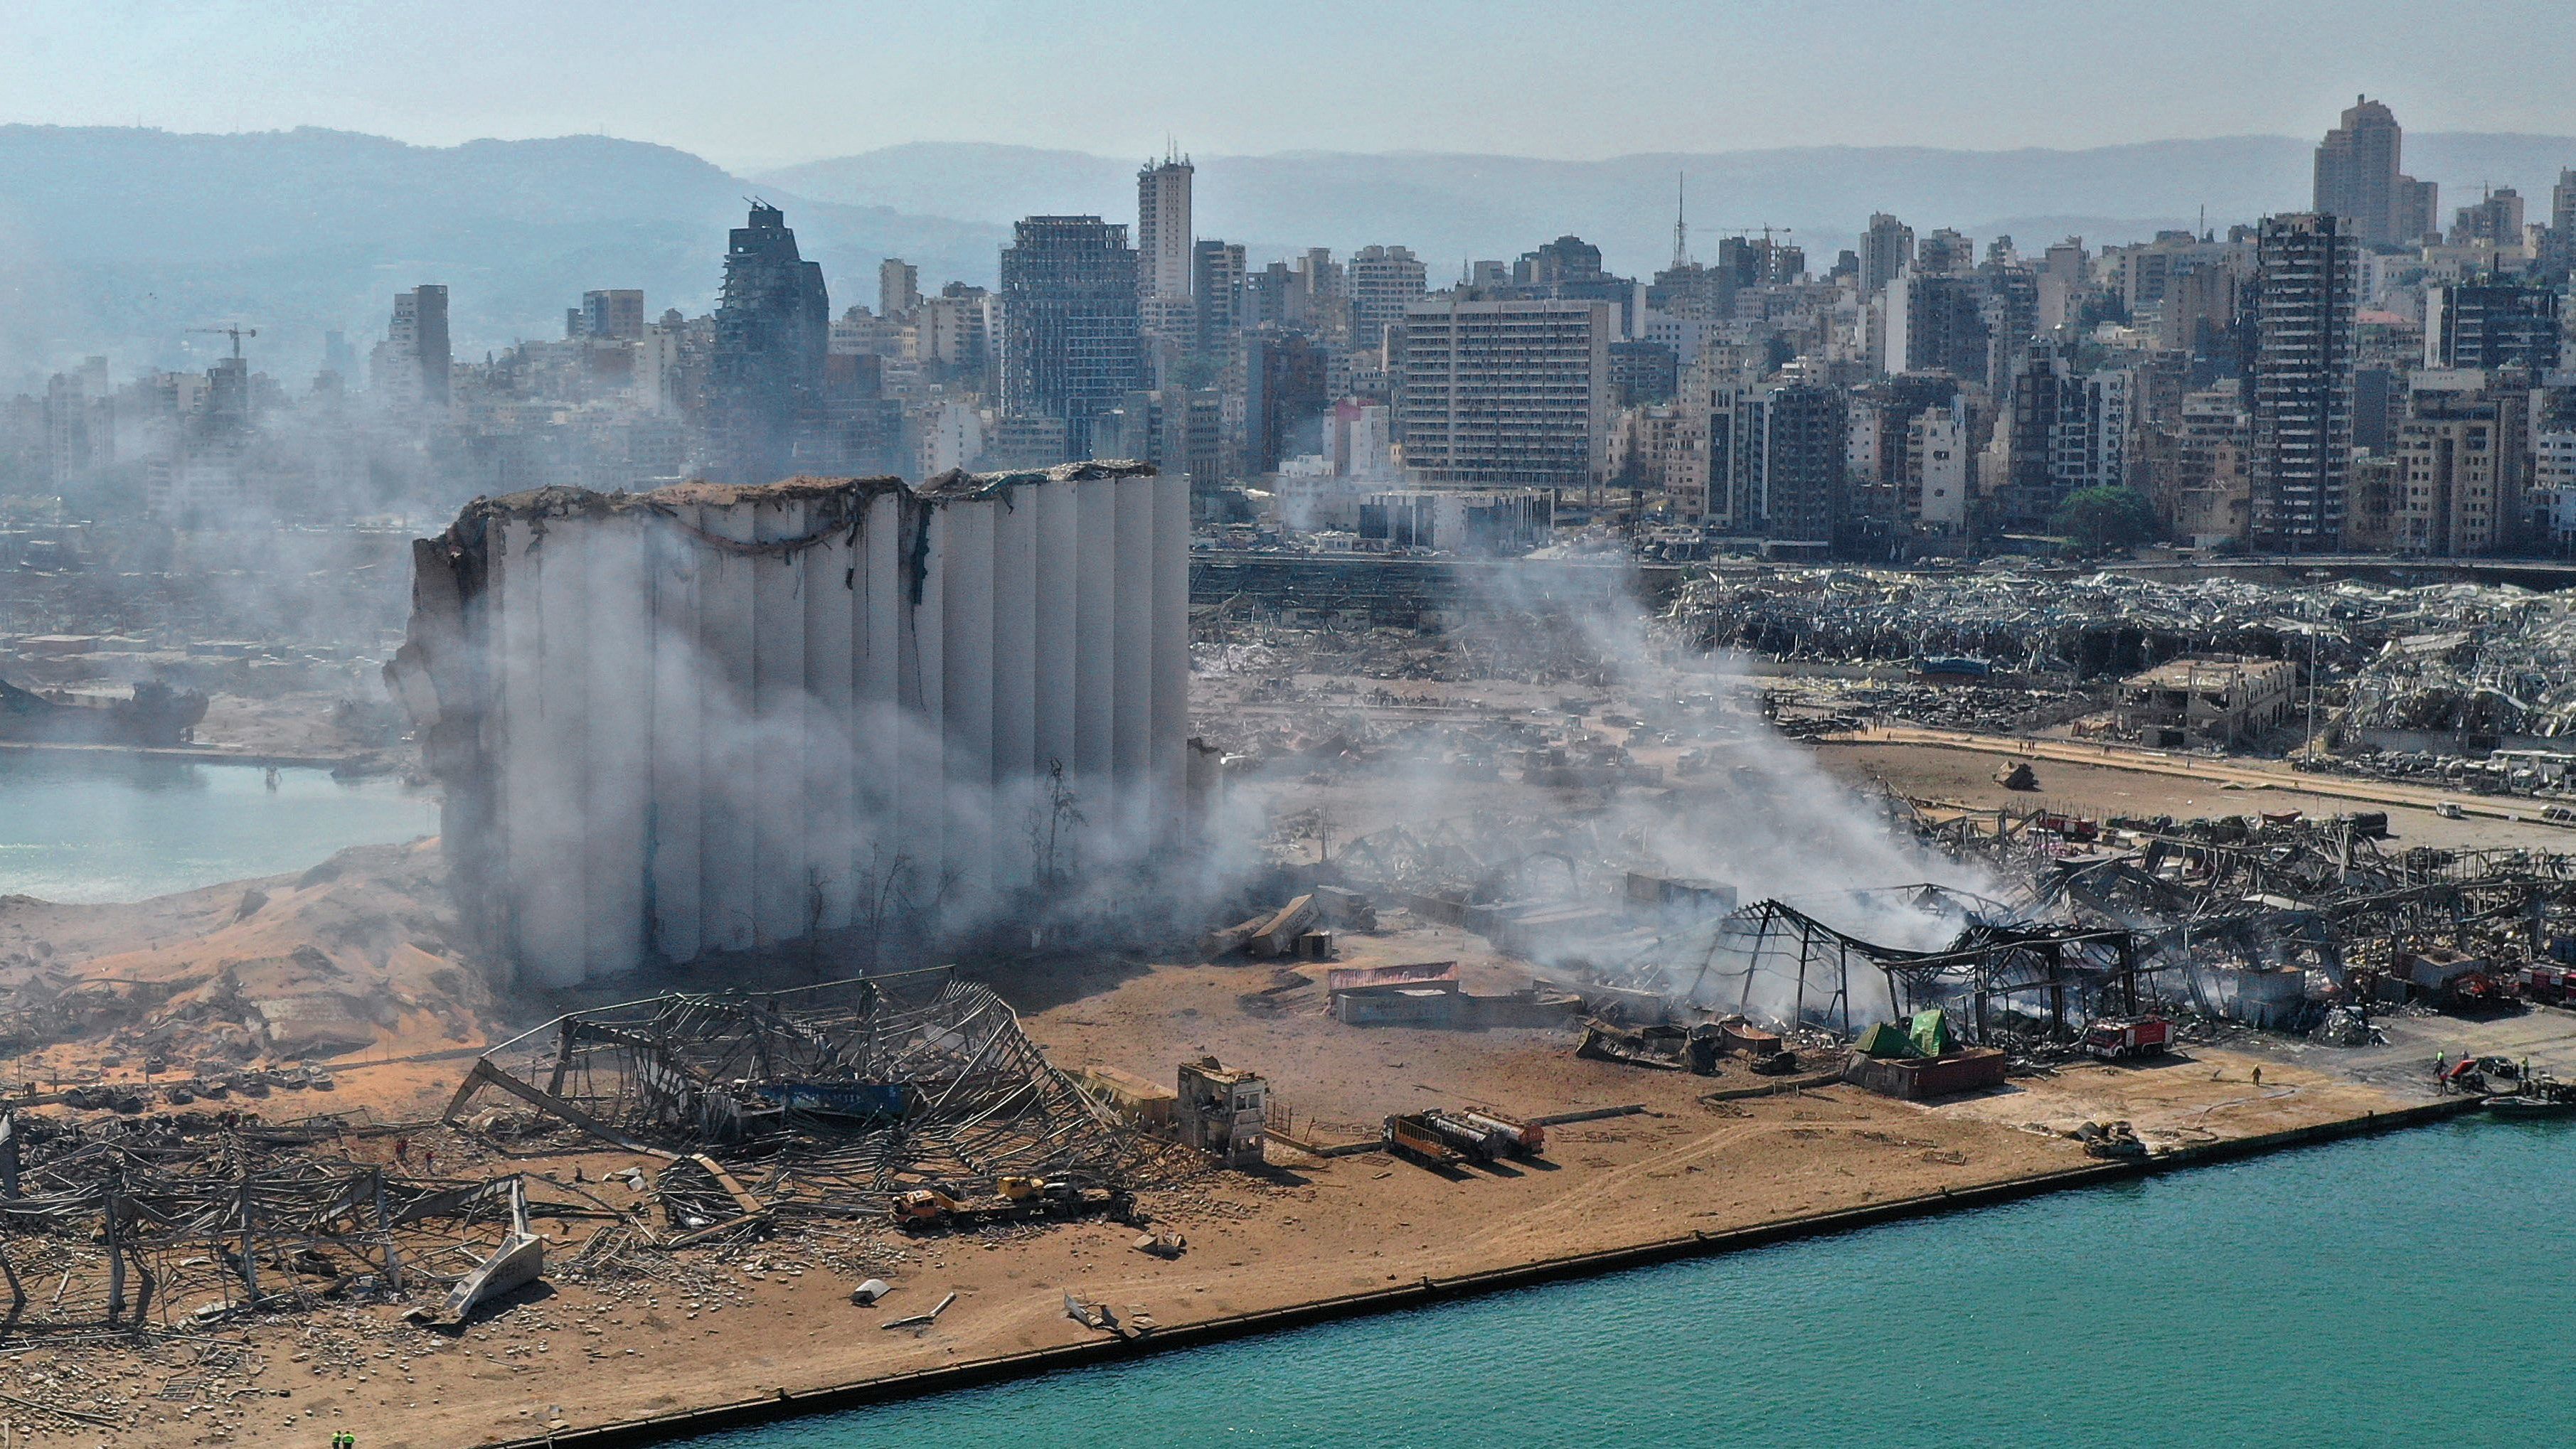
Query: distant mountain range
[1453,207]
[118,240]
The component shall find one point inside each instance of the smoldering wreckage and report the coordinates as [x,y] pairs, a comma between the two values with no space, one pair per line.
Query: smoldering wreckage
[641,711]
[668,726]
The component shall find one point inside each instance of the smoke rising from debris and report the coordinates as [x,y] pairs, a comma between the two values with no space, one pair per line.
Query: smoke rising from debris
[711,718]
[1753,812]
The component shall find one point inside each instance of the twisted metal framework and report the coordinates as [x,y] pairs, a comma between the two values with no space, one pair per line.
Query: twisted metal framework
[817,1098]
[1775,952]
[127,1225]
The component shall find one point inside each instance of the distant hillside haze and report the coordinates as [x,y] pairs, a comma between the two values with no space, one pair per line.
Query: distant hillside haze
[1451,207]
[118,240]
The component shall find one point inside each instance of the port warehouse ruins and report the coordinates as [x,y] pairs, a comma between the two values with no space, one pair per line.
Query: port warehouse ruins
[710,718]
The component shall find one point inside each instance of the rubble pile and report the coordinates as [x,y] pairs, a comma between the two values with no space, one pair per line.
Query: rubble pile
[2100,624]
[2474,657]
[1807,709]
[353,954]
[2277,922]
[190,1218]
[2478,660]
[825,1101]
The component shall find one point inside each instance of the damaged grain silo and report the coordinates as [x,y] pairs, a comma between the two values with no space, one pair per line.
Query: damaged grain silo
[709,718]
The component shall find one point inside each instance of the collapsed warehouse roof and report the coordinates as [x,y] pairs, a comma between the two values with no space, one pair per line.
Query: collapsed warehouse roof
[2201,916]
[823,1100]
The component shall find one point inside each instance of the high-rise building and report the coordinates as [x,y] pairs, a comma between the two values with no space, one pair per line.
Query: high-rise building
[2418,207]
[773,327]
[2198,314]
[1799,484]
[1509,392]
[411,366]
[1163,235]
[1709,485]
[1934,471]
[2461,454]
[1769,462]
[2558,250]
[2064,273]
[614,315]
[79,423]
[1070,340]
[1886,249]
[2011,308]
[1569,268]
[1284,399]
[1643,373]
[2495,323]
[2300,381]
[2551,504]
[898,287]
[1943,252]
[2068,430]
[2206,495]
[1936,322]
[949,329]
[2358,179]
[2494,220]
[1383,282]
[1328,297]
[1273,297]
[2096,440]
[1566,259]
[1216,291]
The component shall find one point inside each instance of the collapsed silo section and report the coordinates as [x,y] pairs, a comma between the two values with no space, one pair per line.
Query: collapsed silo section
[710,719]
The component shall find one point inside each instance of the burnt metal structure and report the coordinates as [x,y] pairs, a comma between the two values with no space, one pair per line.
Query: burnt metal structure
[159,1223]
[826,1099]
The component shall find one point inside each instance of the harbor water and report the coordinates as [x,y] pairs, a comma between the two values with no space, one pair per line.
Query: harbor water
[100,826]
[2411,1289]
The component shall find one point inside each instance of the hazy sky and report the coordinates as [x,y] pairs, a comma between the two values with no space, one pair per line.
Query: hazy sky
[763,82]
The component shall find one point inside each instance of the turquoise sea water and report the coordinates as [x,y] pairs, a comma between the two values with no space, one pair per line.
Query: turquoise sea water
[101,827]
[2415,1289]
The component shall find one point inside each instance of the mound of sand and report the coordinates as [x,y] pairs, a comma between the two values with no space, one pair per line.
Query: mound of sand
[354,955]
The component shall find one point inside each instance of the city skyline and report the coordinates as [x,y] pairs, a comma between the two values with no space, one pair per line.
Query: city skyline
[771,95]
[2346,371]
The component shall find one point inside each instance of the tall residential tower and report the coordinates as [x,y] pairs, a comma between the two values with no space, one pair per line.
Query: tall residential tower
[1069,323]
[2357,179]
[1163,239]
[2301,380]
[773,330]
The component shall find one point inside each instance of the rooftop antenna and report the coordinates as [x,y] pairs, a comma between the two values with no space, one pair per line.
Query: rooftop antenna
[1681,226]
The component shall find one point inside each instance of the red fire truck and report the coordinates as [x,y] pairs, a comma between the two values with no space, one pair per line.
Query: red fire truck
[2119,1040]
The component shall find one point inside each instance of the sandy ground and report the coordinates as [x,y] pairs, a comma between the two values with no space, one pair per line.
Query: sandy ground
[2100,790]
[2197,1095]
[705,1326]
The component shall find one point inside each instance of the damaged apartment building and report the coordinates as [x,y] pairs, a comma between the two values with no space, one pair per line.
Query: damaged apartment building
[712,718]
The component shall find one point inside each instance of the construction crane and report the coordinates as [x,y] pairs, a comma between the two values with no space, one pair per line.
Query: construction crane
[1746,229]
[236,332]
